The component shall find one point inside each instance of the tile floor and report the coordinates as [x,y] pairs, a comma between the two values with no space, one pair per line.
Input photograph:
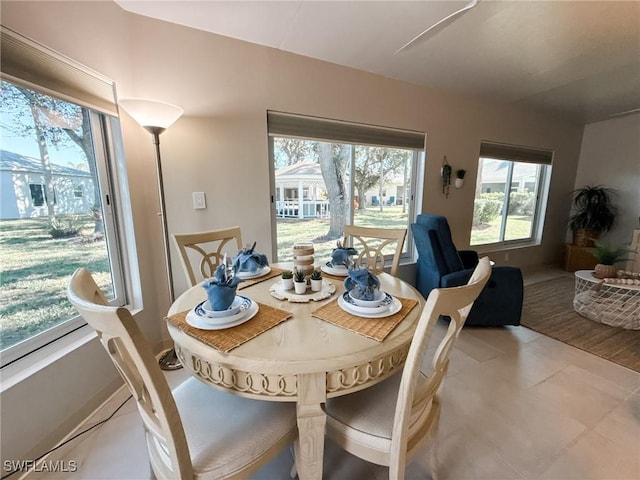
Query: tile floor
[516,406]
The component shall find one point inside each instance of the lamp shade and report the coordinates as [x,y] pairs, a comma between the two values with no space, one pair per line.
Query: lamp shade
[149,113]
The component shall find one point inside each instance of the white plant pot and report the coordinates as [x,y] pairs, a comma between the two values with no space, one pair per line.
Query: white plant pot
[287,283]
[301,287]
[316,285]
[459,183]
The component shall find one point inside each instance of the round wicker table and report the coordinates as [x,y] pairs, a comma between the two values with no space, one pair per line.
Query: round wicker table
[612,304]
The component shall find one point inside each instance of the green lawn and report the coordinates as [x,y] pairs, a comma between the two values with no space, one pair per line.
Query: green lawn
[517,227]
[291,231]
[34,271]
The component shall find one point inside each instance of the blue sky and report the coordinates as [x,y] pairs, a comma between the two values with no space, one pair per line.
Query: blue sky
[28,146]
[17,112]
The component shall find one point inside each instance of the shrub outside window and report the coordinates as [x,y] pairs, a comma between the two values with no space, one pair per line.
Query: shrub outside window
[511,190]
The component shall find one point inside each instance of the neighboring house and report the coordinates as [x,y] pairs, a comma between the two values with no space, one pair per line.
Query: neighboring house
[23,194]
[493,175]
[301,192]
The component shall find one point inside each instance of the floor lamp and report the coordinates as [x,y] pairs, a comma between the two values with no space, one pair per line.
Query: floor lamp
[156,117]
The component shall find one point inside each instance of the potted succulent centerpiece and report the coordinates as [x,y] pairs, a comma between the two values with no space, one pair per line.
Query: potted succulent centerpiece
[316,281]
[594,213]
[607,257]
[287,279]
[300,282]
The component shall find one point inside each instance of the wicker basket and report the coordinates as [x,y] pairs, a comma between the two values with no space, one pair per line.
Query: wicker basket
[584,238]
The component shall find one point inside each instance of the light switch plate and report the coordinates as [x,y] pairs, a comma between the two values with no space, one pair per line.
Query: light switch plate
[199,201]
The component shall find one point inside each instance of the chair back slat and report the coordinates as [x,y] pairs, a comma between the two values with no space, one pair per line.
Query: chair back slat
[202,252]
[371,241]
[132,356]
[455,302]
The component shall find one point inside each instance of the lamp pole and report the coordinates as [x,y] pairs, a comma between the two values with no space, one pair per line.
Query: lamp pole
[156,117]
[155,132]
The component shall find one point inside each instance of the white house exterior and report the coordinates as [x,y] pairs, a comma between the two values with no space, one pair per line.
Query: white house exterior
[494,175]
[301,192]
[22,192]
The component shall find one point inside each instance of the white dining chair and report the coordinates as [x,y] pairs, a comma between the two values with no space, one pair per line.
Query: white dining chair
[388,423]
[196,431]
[371,241]
[202,252]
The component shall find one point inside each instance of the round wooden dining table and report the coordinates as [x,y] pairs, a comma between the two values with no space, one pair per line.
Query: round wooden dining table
[303,359]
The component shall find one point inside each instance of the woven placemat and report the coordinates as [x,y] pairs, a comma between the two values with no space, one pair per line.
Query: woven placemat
[375,328]
[230,338]
[275,272]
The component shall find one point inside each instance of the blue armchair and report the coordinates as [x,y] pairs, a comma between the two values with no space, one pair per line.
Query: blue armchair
[440,265]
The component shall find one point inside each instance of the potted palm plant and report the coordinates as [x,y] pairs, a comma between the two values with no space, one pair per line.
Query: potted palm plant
[607,257]
[594,213]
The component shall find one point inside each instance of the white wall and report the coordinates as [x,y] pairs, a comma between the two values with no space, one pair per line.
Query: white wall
[610,156]
[220,147]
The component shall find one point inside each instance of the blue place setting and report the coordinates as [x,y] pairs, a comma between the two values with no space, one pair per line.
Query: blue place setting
[340,260]
[365,283]
[364,297]
[250,264]
[223,308]
[221,289]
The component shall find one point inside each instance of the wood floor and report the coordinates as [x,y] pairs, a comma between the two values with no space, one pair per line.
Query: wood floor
[516,406]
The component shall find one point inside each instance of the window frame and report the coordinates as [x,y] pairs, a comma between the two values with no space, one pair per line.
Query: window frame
[88,89]
[78,190]
[104,148]
[327,127]
[39,199]
[540,158]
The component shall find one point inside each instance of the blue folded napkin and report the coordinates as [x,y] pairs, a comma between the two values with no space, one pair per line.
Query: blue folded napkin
[248,260]
[221,289]
[340,255]
[365,282]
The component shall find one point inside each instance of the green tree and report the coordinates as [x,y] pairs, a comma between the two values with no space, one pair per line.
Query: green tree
[333,161]
[52,122]
[366,174]
[288,151]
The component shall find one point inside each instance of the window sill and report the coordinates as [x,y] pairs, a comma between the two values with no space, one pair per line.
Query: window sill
[500,247]
[29,365]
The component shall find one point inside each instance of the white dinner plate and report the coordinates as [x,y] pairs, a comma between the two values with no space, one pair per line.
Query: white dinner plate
[378,312]
[340,271]
[196,318]
[261,272]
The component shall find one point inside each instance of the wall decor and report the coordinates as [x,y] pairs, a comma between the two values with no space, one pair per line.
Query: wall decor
[445,173]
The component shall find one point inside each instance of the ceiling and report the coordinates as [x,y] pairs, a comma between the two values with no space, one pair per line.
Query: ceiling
[578,60]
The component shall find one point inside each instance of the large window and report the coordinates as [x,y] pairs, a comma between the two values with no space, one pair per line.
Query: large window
[327,174]
[58,194]
[511,189]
